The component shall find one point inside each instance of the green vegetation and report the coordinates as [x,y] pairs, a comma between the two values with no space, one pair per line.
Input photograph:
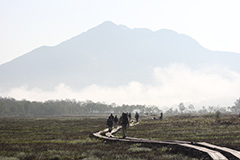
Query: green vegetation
[45,130]
[223,132]
[68,137]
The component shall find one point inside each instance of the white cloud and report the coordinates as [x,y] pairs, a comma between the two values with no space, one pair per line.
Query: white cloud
[173,84]
[217,86]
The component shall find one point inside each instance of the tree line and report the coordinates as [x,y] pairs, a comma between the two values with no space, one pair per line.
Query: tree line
[190,109]
[12,107]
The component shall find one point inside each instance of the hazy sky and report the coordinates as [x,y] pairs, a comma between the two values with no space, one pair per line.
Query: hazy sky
[27,24]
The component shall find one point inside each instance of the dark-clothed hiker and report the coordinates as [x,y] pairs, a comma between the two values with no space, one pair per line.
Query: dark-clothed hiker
[161,116]
[129,116]
[115,121]
[124,122]
[112,116]
[109,123]
[136,116]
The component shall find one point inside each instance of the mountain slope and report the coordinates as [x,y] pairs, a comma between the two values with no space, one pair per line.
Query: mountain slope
[109,54]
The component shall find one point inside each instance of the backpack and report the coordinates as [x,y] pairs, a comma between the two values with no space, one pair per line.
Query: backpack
[115,119]
[109,122]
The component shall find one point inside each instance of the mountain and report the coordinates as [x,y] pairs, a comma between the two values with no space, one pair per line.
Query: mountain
[109,54]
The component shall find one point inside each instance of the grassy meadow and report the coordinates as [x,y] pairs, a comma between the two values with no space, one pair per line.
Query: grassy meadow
[224,131]
[68,137]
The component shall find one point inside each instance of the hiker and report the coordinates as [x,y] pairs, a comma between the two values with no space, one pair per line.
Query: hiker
[161,116]
[115,121]
[112,117]
[109,123]
[136,116]
[124,122]
[129,116]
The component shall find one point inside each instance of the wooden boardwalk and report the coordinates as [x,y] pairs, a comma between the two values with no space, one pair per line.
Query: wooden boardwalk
[208,150]
[235,154]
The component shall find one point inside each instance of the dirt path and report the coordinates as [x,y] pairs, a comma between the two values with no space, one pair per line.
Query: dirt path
[197,148]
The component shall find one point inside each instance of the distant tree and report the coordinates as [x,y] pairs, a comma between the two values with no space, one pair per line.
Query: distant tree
[217,116]
[169,111]
[176,111]
[237,103]
[236,108]
[203,110]
[191,107]
[210,109]
[181,107]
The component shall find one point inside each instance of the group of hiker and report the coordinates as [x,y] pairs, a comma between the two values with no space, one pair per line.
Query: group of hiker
[124,121]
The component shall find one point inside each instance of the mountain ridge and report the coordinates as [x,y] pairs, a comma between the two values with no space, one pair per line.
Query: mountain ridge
[108,54]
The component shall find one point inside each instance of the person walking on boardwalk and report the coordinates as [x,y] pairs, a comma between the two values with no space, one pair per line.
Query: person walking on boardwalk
[161,116]
[129,116]
[137,116]
[115,121]
[110,123]
[112,116]
[124,122]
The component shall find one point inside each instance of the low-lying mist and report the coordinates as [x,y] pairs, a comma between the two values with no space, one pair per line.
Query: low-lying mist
[209,86]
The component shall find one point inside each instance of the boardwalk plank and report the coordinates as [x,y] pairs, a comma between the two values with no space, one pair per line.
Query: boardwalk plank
[224,149]
[215,155]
